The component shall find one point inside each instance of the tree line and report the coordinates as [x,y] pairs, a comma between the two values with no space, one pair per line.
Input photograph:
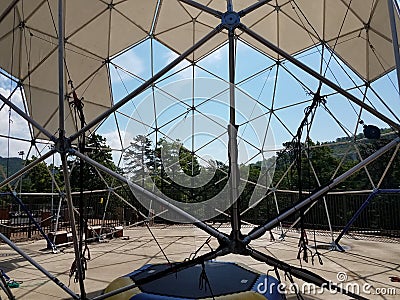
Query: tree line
[175,170]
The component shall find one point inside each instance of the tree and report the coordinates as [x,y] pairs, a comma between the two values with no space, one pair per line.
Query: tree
[139,159]
[98,150]
[38,179]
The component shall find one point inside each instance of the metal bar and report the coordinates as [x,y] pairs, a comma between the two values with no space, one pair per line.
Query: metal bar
[22,114]
[30,216]
[61,122]
[39,267]
[104,213]
[57,218]
[8,9]
[73,225]
[148,83]
[361,209]
[209,229]
[395,39]
[396,4]
[300,273]
[27,168]
[229,5]
[258,232]
[318,76]
[4,286]
[173,269]
[253,7]
[233,146]
[202,7]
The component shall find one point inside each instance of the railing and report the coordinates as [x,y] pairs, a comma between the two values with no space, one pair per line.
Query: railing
[17,225]
[381,216]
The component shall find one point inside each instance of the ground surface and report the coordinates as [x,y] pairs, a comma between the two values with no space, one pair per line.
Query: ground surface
[368,264]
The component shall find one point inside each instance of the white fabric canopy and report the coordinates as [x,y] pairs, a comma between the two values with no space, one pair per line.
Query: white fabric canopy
[358,31]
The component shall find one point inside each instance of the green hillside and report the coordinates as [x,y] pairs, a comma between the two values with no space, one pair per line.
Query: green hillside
[14,164]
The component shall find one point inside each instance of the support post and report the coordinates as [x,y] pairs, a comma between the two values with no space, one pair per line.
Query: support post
[232,145]
[68,195]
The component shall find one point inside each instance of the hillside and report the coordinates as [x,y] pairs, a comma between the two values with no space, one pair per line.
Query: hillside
[14,164]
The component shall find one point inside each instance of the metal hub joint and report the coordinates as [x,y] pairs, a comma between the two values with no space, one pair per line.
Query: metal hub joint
[62,145]
[231,20]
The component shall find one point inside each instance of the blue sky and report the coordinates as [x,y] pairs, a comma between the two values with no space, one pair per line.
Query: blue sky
[288,97]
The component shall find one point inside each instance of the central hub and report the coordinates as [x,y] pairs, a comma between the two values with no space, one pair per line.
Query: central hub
[231,19]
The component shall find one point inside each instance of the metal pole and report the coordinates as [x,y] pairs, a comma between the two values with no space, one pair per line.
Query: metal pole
[62,145]
[57,218]
[73,225]
[39,267]
[209,229]
[52,190]
[202,7]
[148,83]
[104,213]
[258,232]
[61,124]
[232,132]
[395,39]
[8,9]
[318,76]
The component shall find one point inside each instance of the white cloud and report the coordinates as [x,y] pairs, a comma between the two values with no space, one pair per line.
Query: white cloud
[217,55]
[186,71]
[131,62]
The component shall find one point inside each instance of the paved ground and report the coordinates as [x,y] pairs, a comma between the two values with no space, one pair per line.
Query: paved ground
[369,264]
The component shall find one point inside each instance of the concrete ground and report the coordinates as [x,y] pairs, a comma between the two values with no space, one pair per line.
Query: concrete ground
[368,264]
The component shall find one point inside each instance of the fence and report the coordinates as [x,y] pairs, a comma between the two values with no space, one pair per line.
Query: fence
[381,217]
[15,223]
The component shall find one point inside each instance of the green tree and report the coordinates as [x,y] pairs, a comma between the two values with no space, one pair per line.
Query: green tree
[98,150]
[139,159]
[38,179]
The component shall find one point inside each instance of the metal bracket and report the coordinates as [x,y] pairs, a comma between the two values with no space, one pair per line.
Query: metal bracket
[62,145]
[230,20]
